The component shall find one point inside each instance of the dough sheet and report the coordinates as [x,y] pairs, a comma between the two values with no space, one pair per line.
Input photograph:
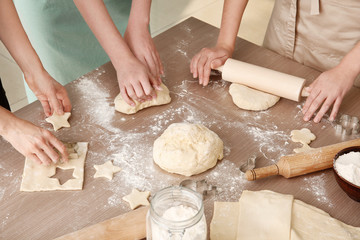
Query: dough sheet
[269,215]
[37,177]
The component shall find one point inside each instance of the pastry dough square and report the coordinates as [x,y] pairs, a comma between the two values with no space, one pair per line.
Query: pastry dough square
[37,177]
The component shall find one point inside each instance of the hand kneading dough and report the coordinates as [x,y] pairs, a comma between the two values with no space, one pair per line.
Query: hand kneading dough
[187,149]
[163,97]
[251,99]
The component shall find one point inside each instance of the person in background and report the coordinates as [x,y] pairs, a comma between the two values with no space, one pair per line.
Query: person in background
[32,141]
[69,47]
[323,34]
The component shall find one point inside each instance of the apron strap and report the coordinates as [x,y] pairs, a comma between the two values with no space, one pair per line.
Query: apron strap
[315,7]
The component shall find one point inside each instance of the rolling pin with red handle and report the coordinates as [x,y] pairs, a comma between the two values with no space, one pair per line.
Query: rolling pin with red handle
[302,163]
[263,79]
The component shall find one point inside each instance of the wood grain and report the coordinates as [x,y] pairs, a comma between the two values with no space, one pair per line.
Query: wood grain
[48,215]
[130,225]
[302,163]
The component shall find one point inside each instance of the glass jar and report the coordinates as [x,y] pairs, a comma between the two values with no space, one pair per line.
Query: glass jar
[176,213]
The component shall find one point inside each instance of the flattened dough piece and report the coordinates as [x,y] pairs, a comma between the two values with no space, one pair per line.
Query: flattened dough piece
[311,223]
[307,222]
[59,121]
[225,221]
[265,214]
[304,136]
[37,177]
[163,97]
[106,170]
[136,198]
[251,99]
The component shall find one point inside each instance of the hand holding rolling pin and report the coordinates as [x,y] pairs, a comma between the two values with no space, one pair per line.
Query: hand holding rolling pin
[207,59]
[331,87]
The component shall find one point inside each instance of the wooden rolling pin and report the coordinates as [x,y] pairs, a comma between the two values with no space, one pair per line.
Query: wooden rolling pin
[263,79]
[130,225]
[302,163]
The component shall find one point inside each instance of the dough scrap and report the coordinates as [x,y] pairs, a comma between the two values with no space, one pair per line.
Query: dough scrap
[187,149]
[37,177]
[59,121]
[251,99]
[163,97]
[106,170]
[306,221]
[136,198]
[304,136]
[304,148]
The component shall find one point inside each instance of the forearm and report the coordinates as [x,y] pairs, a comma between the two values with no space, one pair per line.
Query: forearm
[13,36]
[140,14]
[98,19]
[351,62]
[230,23]
[7,120]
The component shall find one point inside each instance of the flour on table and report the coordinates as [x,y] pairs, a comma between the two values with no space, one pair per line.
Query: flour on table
[136,198]
[59,121]
[187,149]
[37,177]
[163,97]
[106,170]
[251,99]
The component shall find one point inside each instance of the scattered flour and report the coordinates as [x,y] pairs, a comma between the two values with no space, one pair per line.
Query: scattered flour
[316,186]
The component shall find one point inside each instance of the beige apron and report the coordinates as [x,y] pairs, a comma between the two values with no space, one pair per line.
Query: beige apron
[316,33]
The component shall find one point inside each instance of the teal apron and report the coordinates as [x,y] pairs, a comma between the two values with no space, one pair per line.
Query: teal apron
[60,36]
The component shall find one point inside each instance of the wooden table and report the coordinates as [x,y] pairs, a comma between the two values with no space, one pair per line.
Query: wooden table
[128,141]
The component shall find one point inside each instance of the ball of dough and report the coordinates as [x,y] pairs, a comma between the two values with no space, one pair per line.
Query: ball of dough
[163,97]
[187,149]
[251,99]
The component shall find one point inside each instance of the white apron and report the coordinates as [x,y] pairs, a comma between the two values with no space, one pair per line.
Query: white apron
[316,33]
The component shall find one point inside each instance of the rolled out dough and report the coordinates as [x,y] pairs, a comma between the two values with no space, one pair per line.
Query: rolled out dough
[37,177]
[163,97]
[187,149]
[269,215]
[251,99]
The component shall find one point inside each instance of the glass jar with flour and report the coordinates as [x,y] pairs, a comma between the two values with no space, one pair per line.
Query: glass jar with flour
[176,213]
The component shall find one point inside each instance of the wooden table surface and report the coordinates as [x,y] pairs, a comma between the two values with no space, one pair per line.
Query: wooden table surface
[128,139]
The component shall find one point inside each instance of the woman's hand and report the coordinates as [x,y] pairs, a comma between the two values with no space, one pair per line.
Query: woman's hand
[31,141]
[207,59]
[135,81]
[51,94]
[327,90]
[143,48]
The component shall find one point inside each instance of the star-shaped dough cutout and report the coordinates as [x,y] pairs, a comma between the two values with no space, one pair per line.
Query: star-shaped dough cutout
[59,121]
[136,198]
[106,170]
